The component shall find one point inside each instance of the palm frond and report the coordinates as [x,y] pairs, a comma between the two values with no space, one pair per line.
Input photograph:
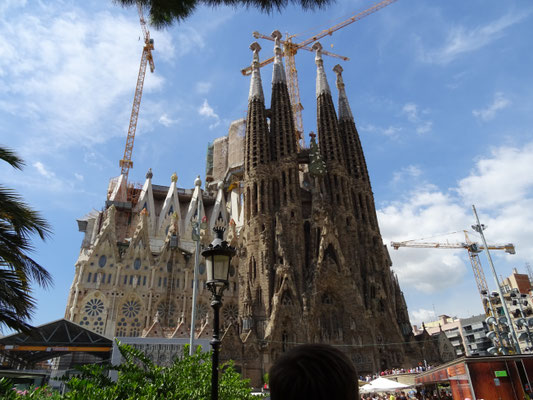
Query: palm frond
[11,158]
[164,13]
[18,222]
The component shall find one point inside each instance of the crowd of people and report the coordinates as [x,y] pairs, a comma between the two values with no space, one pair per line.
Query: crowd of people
[395,371]
[401,395]
[385,396]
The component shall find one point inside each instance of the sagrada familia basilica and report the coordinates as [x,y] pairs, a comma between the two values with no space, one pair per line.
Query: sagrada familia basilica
[310,266]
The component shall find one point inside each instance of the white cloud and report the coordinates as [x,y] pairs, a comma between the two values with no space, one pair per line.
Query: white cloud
[167,121]
[390,131]
[499,103]
[501,187]
[203,87]
[72,73]
[411,171]
[427,211]
[207,111]
[413,115]
[190,40]
[424,127]
[461,40]
[502,179]
[11,4]
[411,111]
[79,177]
[422,315]
[43,170]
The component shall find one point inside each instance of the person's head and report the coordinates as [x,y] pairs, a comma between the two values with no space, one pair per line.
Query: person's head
[313,372]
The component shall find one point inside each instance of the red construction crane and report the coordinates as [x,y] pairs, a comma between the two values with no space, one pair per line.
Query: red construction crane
[126,163]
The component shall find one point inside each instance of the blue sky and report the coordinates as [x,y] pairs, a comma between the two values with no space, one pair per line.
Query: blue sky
[441,94]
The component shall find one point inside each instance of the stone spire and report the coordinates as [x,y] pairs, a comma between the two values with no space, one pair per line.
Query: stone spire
[282,131]
[344,106]
[192,211]
[257,147]
[171,205]
[256,86]
[327,127]
[353,151]
[146,202]
[321,80]
[278,72]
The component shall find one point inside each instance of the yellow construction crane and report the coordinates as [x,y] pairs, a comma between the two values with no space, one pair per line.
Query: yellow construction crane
[126,163]
[473,250]
[290,49]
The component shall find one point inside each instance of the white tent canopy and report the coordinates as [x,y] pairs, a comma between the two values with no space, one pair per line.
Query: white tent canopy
[382,385]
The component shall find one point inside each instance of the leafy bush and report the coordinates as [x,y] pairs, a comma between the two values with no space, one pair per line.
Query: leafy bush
[188,378]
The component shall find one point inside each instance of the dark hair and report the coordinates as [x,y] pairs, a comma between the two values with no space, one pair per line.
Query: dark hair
[313,372]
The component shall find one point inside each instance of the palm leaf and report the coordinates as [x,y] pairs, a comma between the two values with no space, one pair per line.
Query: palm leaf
[11,158]
[165,12]
[18,223]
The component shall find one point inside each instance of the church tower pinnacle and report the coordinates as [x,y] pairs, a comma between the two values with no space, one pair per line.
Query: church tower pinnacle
[328,136]
[257,146]
[355,159]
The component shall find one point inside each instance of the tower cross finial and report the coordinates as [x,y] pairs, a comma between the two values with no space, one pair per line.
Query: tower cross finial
[256,87]
[321,80]
[256,48]
[278,72]
[345,113]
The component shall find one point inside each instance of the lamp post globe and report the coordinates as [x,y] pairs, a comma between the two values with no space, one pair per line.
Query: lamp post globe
[217,262]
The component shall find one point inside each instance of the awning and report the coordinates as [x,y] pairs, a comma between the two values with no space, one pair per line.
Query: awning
[382,385]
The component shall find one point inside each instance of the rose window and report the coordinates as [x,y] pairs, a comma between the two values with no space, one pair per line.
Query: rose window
[166,311]
[131,308]
[201,311]
[230,312]
[94,307]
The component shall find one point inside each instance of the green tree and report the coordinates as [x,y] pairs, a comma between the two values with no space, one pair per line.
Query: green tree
[187,378]
[166,12]
[18,223]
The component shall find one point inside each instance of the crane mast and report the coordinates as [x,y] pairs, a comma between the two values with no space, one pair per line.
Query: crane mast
[290,49]
[126,163]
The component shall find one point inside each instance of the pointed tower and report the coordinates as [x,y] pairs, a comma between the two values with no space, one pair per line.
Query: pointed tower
[327,126]
[257,262]
[282,132]
[329,139]
[257,149]
[286,277]
[285,184]
[361,193]
[355,159]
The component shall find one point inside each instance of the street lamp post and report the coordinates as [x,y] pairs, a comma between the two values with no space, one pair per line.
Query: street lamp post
[217,262]
[479,228]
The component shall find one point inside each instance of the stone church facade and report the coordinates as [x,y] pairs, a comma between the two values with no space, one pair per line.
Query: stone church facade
[311,265]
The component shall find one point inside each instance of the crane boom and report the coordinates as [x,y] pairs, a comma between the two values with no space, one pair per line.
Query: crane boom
[509,247]
[473,253]
[351,20]
[290,49]
[126,163]
[248,70]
